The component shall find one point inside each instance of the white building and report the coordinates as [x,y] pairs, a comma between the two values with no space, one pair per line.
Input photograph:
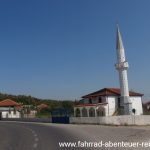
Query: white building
[106,102]
[9,109]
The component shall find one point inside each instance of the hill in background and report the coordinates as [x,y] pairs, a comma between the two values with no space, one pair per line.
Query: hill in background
[29,100]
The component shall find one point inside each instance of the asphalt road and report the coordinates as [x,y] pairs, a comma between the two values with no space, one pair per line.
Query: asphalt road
[38,136]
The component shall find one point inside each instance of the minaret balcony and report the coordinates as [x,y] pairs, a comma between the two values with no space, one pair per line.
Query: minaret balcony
[122,65]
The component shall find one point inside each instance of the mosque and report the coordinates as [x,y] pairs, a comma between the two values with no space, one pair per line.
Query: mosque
[112,101]
[107,102]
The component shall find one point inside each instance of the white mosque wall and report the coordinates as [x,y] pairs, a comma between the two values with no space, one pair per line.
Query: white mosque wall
[137,104]
[112,106]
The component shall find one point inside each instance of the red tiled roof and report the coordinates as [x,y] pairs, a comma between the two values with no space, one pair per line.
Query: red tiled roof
[147,103]
[110,92]
[41,106]
[82,105]
[8,102]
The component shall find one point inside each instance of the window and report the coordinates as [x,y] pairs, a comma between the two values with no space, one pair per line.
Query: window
[90,101]
[91,112]
[101,111]
[100,100]
[84,112]
[77,112]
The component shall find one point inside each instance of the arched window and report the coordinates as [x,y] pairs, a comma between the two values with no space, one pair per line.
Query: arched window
[77,112]
[91,112]
[84,112]
[101,111]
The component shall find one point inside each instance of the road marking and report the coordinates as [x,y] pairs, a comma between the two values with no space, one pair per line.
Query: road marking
[36,139]
[35,134]
[35,145]
[32,131]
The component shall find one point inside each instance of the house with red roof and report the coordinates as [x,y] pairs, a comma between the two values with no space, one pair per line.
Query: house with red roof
[42,106]
[10,109]
[147,105]
[106,102]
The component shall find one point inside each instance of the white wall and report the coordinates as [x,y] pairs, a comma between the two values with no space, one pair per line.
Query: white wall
[111,105]
[137,104]
[113,120]
[45,120]
[6,114]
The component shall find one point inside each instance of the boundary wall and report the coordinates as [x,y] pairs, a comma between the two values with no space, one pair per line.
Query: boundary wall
[113,120]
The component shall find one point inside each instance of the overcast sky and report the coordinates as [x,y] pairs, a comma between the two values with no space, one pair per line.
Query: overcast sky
[63,49]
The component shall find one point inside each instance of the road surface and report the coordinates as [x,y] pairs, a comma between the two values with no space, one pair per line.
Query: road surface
[40,136]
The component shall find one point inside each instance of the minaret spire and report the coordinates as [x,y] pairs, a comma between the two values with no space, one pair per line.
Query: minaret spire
[122,67]
[119,44]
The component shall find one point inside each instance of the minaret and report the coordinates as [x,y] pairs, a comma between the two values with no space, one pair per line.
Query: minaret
[122,67]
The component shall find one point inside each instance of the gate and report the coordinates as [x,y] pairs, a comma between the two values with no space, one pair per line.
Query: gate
[60,115]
